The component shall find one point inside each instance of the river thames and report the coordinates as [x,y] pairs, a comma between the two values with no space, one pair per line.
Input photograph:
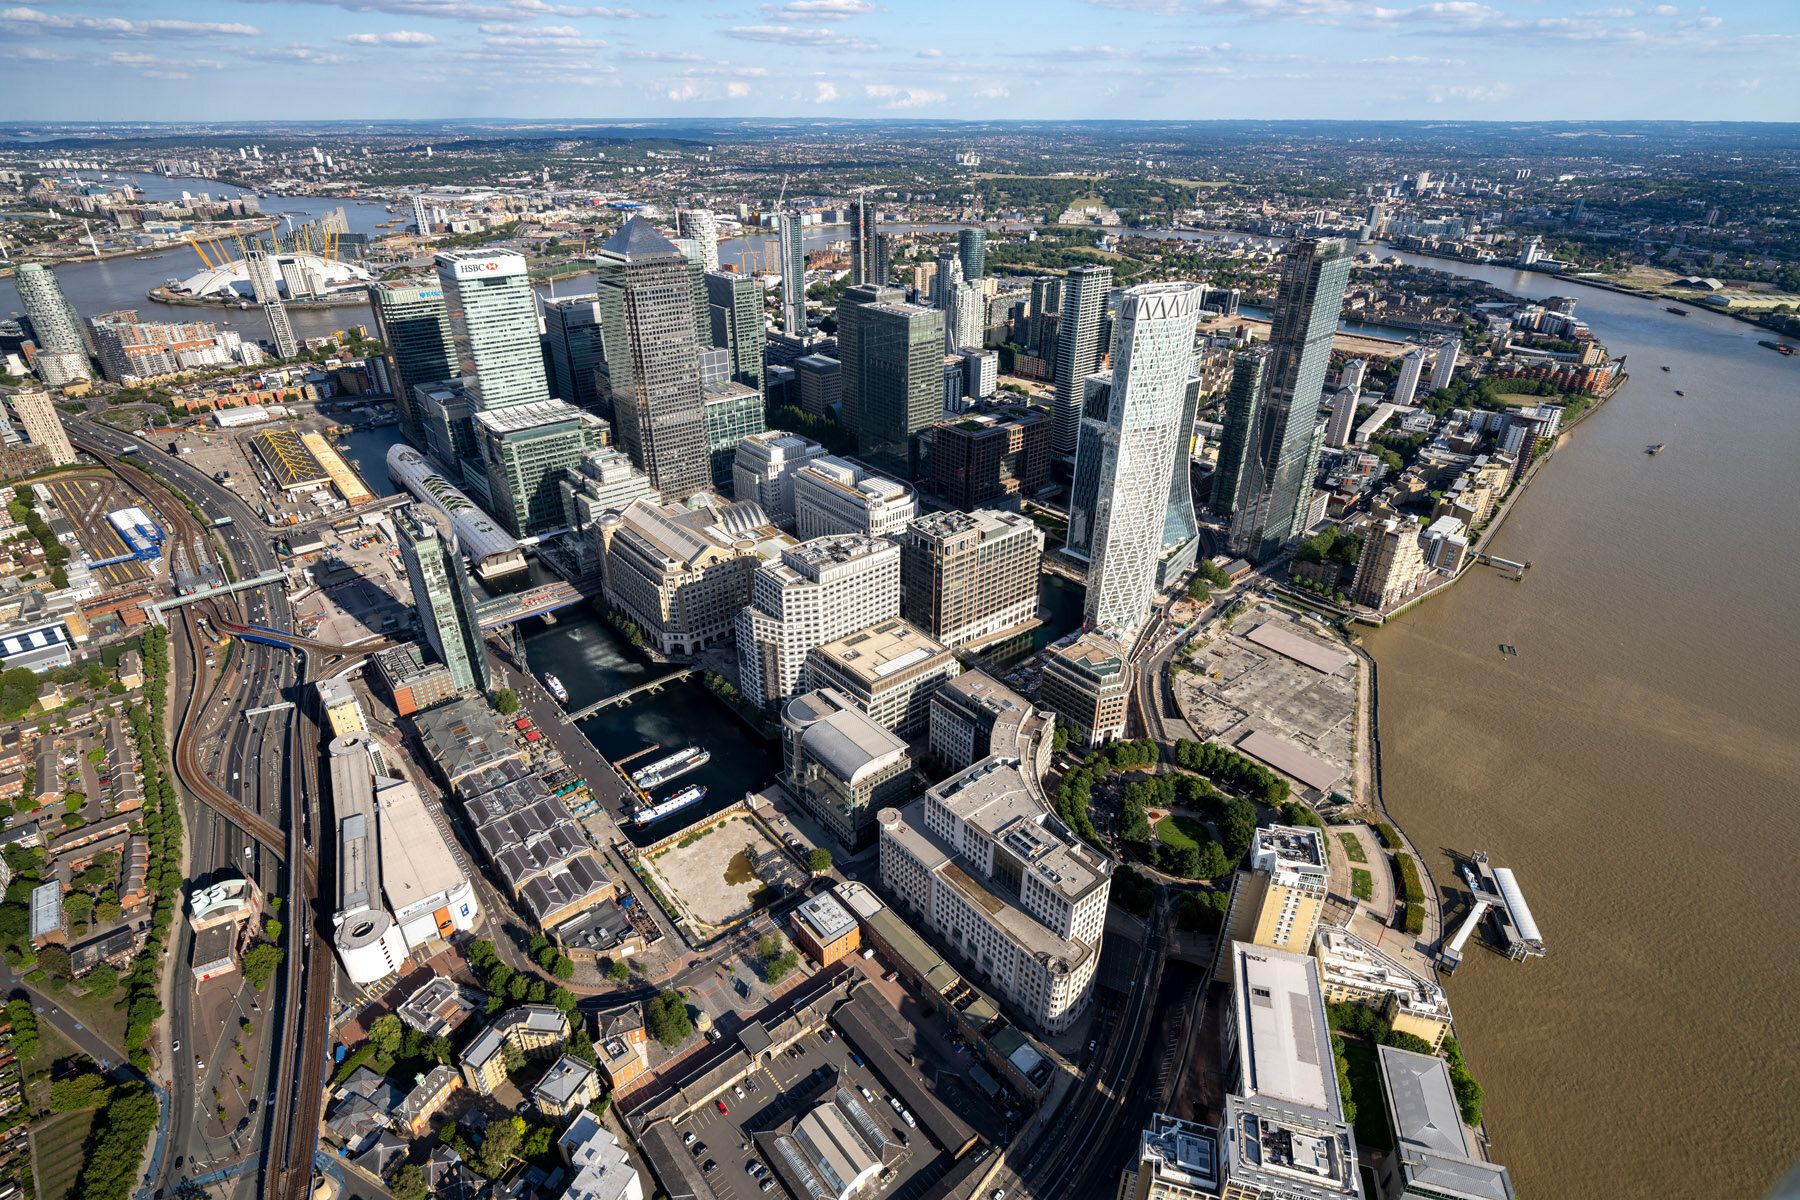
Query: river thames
[1635,765]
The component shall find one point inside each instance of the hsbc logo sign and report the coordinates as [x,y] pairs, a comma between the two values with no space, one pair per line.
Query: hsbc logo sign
[489,268]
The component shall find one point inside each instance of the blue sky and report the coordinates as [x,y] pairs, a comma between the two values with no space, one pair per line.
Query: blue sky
[1394,59]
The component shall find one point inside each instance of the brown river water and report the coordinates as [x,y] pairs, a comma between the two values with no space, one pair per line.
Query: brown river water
[1638,766]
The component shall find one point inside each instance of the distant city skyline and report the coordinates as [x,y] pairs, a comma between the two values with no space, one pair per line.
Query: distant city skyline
[1068,59]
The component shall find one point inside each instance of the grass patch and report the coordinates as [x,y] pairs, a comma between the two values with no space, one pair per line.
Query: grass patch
[103,1016]
[1353,847]
[1362,884]
[1182,831]
[59,1152]
[1365,1086]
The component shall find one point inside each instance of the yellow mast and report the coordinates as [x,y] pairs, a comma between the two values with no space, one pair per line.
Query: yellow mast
[200,252]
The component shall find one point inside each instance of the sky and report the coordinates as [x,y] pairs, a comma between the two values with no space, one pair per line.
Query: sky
[99,60]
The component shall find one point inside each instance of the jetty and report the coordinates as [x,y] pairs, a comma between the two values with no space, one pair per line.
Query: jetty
[1494,890]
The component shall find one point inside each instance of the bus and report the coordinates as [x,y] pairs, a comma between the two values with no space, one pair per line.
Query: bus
[221,521]
[128,448]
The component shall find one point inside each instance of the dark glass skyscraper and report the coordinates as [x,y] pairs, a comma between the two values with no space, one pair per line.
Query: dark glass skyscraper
[893,373]
[441,593]
[1248,371]
[862,243]
[1305,320]
[645,290]
[971,247]
[737,324]
[1078,349]
[417,346]
[572,334]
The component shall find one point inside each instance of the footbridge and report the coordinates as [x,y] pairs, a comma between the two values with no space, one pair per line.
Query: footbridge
[291,641]
[533,602]
[582,714]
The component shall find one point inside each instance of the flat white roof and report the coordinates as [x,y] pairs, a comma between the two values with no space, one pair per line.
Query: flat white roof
[416,864]
[1284,1047]
[1325,659]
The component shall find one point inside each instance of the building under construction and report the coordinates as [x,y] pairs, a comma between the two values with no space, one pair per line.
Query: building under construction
[293,467]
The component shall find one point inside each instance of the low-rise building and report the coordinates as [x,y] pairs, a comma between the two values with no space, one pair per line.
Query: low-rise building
[439,1007]
[412,683]
[1352,971]
[840,764]
[825,929]
[537,1030]
[599,1167]
[1004,884]
[1087,684]
[1435,1157]
[1176,1160]
[623,1050]
[569,1086]
[337,700]
[890,670]
[463,737]
[427,1099]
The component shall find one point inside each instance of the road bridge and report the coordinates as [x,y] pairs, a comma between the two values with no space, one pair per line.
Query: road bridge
[582,714]
[534,602]
[293,641]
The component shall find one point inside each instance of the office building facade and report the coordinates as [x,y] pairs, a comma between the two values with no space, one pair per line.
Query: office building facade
[968,576]
[736,304]
[733,413]
[820,379]
[841,765]
[818,592]
[493,326]
[1087,684]
[987,455]
[701,227]
[764,471]
[440,589]
[1131,443]
[971,248]
[889,669]
[1249,371]
[572,337]
[1277,897]
[417,344]
[892,355]
[1310,295]
[837,495]
[645,291]
[42,424]
[864,237]
[1078,349]
[526,449]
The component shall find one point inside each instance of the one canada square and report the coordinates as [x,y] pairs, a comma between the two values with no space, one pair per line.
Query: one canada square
[1313,277]
[1132,434]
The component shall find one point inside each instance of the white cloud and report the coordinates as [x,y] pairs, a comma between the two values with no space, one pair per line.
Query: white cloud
[1474,93]
[794,35]
[931,52]
[822,10]
[398,37]
[311,55]
[576,10]
[1662,10]
[663,56]
[824,93]
[32,21]
[992,92]
[899,97]
[737,89]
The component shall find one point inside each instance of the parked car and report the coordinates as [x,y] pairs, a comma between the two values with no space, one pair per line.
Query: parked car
[709,1165]
[687,1139]
[722,1107]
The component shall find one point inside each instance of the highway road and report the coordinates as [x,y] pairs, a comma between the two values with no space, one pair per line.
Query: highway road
[259,803]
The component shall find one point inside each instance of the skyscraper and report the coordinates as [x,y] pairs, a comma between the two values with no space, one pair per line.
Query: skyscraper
[1077,349]
[1130,432]
[1407,385]
[572,337]
[963,317]
[1443,368]
[700,225]
[645,294]
[1301,330]
[893,373]
[737,324]
[38,418]
[441,593]
[417,344]
[793,275]
[1248,371]
[862,243]
[493,323]
[971,247]
[280,332]
[1046,301]
[1343,413]
[525,449]
[265,280]
[944,283]
[61,351]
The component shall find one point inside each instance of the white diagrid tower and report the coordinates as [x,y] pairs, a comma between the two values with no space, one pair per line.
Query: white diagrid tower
[1153,355]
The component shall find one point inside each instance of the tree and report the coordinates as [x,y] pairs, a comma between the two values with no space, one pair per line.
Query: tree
[581,1046]
[563,968]
[512,1056]
[260,963]
[385,1033]
[24,1024]
[668,1019]
[620,972]
[564,999]
[820,860]
[506,702]
[537,1142]
[499,1146]
[101,981]
[272,929]
[407,1183]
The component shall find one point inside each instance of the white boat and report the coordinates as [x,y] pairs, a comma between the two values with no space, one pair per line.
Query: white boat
[556,688]
[665,769]
[692,794]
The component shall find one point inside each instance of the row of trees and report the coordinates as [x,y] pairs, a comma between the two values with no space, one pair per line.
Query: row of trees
[115,1148]
[777,959]
[1232,769]
[506,986]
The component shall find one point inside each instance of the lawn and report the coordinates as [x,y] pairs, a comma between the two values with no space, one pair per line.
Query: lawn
[1182,831]
[59,1158]
[1353,847]
[1362,884]
[1365,1088]
[103,1016]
